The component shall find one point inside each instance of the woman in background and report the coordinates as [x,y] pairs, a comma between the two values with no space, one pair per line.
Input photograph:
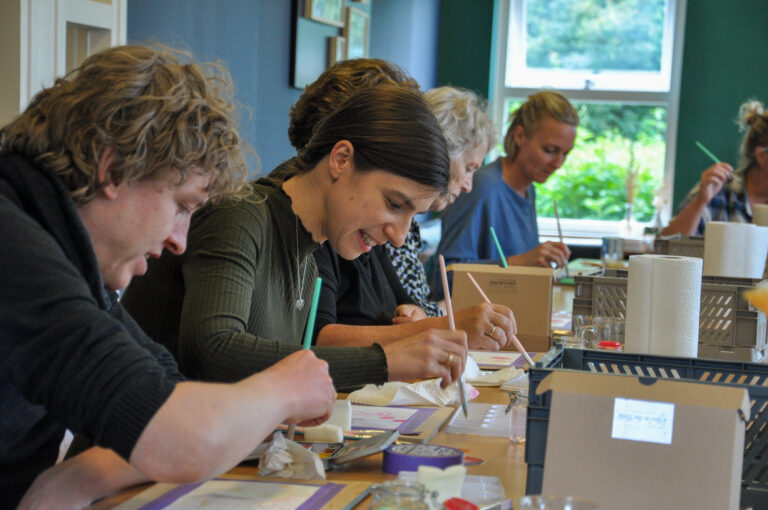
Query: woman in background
[725,195]
[470,135]
[238,300]
[541,135]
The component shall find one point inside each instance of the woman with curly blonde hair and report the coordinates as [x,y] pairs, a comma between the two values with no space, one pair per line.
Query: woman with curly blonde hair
[723,194]
[101,172]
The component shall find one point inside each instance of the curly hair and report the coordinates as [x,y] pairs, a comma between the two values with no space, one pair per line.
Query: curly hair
[754,119]
[547,103]
[463,117]
[156,113]
[332,87]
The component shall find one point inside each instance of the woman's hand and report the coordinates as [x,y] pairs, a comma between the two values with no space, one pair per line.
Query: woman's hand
[712,181]
[542,255]
[408,313]
[488,326]
[304,380]
[426,355]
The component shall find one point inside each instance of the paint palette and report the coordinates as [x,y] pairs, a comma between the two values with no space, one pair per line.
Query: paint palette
[482,420]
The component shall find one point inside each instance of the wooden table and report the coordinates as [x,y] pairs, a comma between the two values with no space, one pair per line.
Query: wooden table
[502,458]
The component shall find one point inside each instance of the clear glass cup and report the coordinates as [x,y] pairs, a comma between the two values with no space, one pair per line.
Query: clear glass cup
[612,252]
[609,333]
[405,495]
[600,332]
[555,503]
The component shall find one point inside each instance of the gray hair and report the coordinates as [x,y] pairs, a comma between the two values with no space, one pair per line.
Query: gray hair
[541,104]
[463,118]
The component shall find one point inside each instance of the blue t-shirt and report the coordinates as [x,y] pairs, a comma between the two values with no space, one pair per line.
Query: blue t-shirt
[493,203]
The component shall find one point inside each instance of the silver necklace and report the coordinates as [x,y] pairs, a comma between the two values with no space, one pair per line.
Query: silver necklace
[300,301]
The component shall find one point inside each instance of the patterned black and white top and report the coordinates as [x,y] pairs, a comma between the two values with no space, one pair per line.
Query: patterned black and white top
[411,271]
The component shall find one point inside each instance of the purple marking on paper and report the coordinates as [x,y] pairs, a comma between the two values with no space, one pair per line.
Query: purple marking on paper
[413,423]
[322,496]
[409,426]
[520,362]
[171,496]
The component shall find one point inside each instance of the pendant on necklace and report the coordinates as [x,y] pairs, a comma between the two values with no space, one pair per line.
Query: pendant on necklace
[300,304]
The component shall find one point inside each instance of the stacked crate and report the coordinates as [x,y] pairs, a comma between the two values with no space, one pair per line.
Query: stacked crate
[750,376]
[729,327]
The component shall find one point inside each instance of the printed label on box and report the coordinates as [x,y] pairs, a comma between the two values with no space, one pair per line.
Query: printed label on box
[643,420]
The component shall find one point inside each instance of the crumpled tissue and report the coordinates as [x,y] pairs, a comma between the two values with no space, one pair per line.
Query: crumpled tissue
[423,393]
[429,392]
[288,459]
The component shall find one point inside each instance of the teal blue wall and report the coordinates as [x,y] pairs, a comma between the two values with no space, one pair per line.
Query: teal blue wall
[254,39]
[725,62]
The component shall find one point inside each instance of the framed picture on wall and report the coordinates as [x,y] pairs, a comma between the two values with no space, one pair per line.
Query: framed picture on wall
[356,32]
[330,12]
[337,49]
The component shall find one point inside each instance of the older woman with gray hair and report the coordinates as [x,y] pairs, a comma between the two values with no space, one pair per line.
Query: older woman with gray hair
[469,132]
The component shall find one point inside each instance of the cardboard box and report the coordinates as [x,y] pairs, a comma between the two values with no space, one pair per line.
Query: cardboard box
[527,291]
[631,443]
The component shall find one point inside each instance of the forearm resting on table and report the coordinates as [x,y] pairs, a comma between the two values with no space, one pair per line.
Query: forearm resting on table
[687,222]
[76,482]
[344,335]
[204,429]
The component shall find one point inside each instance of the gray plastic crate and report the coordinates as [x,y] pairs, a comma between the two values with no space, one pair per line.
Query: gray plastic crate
[692,246]
[751,376]
[601,296]
[729,327]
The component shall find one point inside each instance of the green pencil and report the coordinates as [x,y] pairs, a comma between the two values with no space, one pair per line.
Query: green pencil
[312,314]
[308,334]
[498,248]
[706,151]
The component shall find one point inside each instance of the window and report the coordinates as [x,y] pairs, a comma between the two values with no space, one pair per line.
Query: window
[618,63]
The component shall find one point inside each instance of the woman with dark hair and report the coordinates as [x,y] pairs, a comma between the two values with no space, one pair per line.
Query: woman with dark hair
[237,301]
[337,83]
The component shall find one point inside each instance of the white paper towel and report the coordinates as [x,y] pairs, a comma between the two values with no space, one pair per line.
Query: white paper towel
[663,301]
[735,249]
[760,214]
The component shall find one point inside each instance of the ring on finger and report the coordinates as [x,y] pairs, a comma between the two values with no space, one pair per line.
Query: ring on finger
[450,359]
[492,331]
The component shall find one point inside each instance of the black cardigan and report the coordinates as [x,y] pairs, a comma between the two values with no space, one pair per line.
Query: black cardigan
[70,356]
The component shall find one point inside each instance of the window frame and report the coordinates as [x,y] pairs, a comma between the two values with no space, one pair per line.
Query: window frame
[582,231]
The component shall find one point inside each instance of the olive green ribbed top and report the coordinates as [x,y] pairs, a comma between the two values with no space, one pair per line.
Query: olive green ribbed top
[227,307]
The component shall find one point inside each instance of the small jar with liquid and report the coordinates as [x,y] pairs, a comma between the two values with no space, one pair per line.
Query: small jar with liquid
[404,495]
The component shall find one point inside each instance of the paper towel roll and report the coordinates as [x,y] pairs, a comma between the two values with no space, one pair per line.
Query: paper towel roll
[663,301]
[735,249]
[760,215]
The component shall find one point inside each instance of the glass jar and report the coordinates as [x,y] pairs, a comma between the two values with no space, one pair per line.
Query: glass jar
[402,495]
